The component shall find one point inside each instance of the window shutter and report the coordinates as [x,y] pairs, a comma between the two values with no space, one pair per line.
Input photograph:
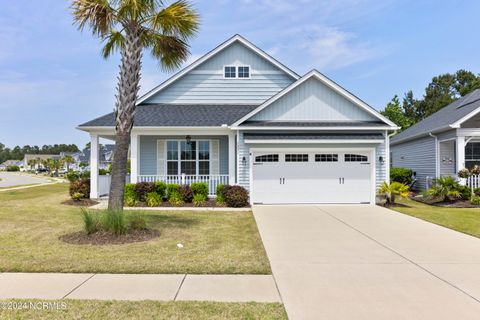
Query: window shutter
[215,159]
[161,161]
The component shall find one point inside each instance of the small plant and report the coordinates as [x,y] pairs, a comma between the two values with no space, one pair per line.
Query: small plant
[77,196]
[114,222]
[161,189]
[200,188]
[475,200]
[80,186]
[219,192]
[235,196]
[402,175]
[390,191]
[464,173]
[91,222]
[445,188]
[172,188]
[142,188]
[186,193]
[13,168]
[475,170]
[199,200]
[153,199]
[176,199]
[137,221]
[130,196]
[72,176]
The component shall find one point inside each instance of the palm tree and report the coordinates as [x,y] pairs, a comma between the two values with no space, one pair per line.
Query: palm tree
[31,163]
[391,190]
[68,160]
[130,26]
[54,164]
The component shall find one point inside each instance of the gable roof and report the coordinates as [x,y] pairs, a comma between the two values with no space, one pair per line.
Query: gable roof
[232,40]
[328,82]
[178,115]
[451,116]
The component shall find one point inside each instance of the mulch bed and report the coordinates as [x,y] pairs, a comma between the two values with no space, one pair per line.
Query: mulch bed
[210,203]
[446,204]
[107,238]
[80,203]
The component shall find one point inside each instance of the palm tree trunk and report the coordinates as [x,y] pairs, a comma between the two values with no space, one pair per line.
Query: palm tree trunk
[126,99]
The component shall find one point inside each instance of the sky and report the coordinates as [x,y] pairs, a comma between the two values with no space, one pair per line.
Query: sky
[52,76]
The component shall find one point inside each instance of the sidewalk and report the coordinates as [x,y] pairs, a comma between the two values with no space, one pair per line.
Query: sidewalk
[165,287]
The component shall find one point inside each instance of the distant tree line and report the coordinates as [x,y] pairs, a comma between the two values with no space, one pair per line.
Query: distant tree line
[17,153]
[440,92]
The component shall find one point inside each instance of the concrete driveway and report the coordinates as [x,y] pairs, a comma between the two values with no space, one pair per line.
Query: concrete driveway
[12,179]
[363,262]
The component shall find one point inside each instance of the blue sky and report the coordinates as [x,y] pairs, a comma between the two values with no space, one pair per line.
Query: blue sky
[52,77]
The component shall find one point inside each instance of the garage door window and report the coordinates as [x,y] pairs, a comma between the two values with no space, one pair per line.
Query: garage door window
[296,158]
[326,158]
[355,158]
[267,158]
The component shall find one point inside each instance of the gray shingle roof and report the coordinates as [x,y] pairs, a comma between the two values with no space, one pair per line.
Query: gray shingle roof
[165,115]
[443,118]
[313,136]
[313,124]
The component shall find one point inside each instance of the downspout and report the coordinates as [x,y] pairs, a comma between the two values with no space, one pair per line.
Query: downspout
[437,156]
[387,151]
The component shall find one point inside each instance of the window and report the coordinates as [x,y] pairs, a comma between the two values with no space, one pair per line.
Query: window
[472,154]
[326,158]
[267,158]
[244,72]
[230,72]
[355,158]
[189,158]
[296,158]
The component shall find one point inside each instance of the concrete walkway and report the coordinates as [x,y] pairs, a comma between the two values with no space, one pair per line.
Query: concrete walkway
[364,262]
[166,287]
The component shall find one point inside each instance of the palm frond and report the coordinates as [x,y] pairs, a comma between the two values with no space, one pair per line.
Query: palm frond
[135,10]
[178,19]
[113,42]
[97,14]
[170,51]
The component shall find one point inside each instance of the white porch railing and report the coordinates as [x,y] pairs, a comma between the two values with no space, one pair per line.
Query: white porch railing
[212,180]
[104,182]
[473,181]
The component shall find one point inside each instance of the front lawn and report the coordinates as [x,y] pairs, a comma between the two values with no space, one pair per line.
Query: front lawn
[84,309]
[462,220]
[32,220]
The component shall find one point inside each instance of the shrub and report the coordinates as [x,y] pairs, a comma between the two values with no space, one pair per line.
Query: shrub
[186,193]
[175,199]
[77,196]
[390,191]
[172,188]
[220,195]
[465,192]
[137,221]
[72,176]
[13,168]
[476,191]
[475,200]
[402,175]
[199,200]
[200,188]
[130,197]
[91,222]
[80,186]
[103,172]
[235,196]
[445,188]
[153,199]
[142,188]
[161,189]
[114,221]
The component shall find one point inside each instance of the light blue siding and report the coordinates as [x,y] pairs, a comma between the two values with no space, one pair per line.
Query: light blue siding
[206,84]
[310,101]
[447,157]
[148,152]
[418,155]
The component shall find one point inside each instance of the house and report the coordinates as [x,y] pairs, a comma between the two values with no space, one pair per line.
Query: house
[441,144]
[238,116]
[9,163]
[105,157]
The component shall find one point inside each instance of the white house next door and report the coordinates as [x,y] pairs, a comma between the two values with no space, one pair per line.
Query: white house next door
[313,176]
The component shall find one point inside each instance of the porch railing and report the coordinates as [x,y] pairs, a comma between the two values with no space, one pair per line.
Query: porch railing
[473,181]
[104,182]
[212,180]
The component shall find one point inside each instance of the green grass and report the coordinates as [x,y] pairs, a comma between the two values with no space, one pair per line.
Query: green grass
[459,219]
[32,220]
[84,309]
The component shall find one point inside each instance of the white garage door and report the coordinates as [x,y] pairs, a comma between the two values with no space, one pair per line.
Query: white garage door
[318,176]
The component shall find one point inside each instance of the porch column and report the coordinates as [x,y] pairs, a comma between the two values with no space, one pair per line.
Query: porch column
[134,150]
[93,166]
[460,153]
[231,158]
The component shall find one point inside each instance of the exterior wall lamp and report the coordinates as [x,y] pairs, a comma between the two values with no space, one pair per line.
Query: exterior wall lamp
[381,160]
[189,139]
[244,161]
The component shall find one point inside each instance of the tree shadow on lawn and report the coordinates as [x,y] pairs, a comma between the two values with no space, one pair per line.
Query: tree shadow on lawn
[170,221]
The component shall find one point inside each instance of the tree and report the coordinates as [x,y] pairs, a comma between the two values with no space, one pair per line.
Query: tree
[131,26]
[395,112]
[67,160]
[32,163]
[54,165]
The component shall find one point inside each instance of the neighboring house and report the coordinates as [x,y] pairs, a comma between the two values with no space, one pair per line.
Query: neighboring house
[105,157]
[441,144]
[9,163]
[29,157]
[238,116]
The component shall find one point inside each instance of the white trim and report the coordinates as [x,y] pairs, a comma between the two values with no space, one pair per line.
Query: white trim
[373,177]
[134,157]
[236,38]
[468,132]
[229,65]
[197,159]
[231,158]
[94,144]
[460,153]
[313,141]
[387,157]
[329,83]
[312,128]
[458,123]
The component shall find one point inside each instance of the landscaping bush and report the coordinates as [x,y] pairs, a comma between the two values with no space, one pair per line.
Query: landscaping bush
[13,168]
[114,222]
[80,186]
[130,196]
[393,189]
[475,200]
[465,192]
[476,191]
[402,175]
[77,196]
[91,221]
[161,189]
[186,193]
[175,199]
[445,188]
[200,188]
[153,199]
[72,176]
[235,196]
[220,194]
[172,188]
[199,200]
[103,172]
[137,221]
[142,188]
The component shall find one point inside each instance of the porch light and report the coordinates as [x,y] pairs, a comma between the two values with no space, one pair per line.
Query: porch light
[381,160]
[244,161]
[189,139]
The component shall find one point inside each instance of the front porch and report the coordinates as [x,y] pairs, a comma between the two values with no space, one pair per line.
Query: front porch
[173,156]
